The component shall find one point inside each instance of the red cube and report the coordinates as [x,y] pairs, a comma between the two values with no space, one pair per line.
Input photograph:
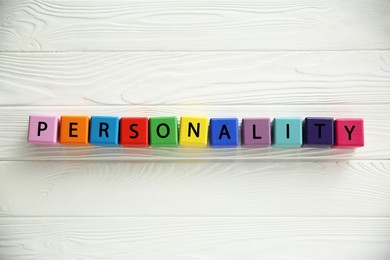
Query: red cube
[134,131]
[349,133]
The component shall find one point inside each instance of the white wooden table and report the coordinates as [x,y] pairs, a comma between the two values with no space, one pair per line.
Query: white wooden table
[209,58]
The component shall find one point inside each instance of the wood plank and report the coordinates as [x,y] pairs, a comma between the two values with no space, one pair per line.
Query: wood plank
[195,238]
[13,134]
[178,78]
[273,189]
[62,25]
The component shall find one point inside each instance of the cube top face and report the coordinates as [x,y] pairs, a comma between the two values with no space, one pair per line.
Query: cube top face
[74,130]
[43,129]
[256,132]
[349,133]
[318,132]
[287,132]
[223,132]
[134,131]
[163,131]
[194,131]
[104,130]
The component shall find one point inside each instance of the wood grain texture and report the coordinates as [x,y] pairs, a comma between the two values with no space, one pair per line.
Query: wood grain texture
[195,238]
[303,189]
[213,78]
[13,134]
[194,25]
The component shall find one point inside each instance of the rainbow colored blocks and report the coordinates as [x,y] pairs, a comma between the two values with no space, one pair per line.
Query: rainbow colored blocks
[196,131]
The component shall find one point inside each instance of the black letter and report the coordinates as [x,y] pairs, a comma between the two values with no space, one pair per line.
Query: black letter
[349,131]
[288,131]
[158,130]
[224,131]
[319,129]
[254,133]
[191,126]
[133,130]
[40,128]
[71,129]
[101,129]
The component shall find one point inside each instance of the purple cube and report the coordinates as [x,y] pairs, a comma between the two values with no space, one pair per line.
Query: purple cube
[318,131]
[256,132]
[43,129]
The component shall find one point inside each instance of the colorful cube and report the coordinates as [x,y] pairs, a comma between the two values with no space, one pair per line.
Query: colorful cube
[318,132]
[43,129]
[74,130]
[163,131]
[223,132]
[349,133]
[193,131]
[104,130]
[256,132]
[287,132]
[134,131]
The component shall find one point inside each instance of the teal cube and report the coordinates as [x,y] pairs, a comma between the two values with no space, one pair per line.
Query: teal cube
[287,132]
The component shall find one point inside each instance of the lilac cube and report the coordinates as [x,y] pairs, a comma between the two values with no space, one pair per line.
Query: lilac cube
[256,132]
[43,129]
[318,131]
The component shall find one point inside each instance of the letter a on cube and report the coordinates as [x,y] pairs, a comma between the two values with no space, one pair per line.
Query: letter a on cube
[223,132]
[43,129]
[193,131]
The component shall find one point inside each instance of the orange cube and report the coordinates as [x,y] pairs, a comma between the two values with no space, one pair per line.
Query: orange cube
[74,130]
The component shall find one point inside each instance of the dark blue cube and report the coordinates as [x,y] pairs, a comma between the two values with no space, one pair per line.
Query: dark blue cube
[223,132]
[318,131]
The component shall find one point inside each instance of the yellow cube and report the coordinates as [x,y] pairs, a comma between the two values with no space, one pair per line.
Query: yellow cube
[193,131]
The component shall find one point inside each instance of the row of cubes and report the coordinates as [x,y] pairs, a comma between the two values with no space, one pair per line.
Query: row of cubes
[196,131]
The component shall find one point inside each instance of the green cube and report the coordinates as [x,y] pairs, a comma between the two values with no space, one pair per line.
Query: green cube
[163,131]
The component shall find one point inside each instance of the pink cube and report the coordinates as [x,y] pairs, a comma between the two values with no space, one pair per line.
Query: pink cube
[43,129]
[349,133]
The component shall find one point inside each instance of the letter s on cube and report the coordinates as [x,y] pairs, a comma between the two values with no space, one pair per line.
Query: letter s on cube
[134,131]
[43,129]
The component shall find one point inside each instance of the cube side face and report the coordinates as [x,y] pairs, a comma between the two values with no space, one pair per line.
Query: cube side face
[193,131]
[318,132]
[43,129]
[104,130]
[287,132]
[74,130]
[349,133]
[163,131]
[223,132]
[134,131]
[256,132]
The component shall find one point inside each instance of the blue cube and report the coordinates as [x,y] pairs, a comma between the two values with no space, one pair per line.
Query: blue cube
[223,132]
[287,132]
[318,131]
[104,130]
